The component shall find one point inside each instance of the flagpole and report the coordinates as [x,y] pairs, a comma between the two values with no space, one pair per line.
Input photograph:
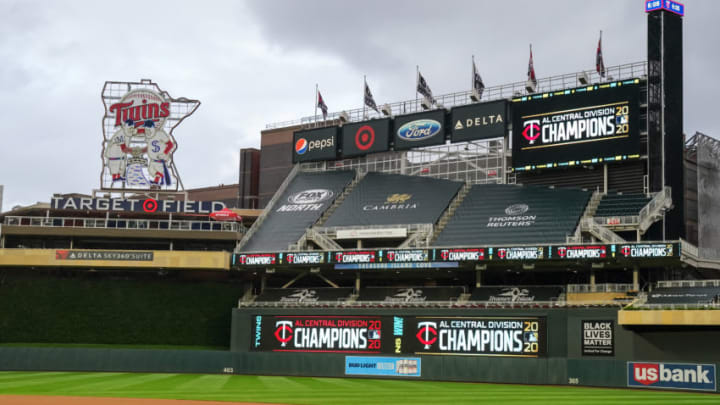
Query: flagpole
[417,82]
[363,93]
[316,102]
[472,79]
[601,76]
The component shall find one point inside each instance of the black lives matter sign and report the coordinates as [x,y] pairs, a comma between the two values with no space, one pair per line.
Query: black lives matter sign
[598,338]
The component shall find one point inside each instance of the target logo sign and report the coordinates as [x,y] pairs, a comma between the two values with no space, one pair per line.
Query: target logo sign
[364,137]
[150,205]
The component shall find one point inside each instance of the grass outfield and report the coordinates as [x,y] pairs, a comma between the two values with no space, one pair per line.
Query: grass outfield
[309,390]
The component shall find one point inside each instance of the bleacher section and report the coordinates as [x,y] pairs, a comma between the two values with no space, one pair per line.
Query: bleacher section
[517,294]
[304,295]
[298,208]
[495,214]
[618,205]
[391,199]
[410,295]
[684,295]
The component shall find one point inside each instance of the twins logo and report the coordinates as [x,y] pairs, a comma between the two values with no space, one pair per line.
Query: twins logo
[561,251]
[283,332]
[444,254]
[531,130]
[301,146]
[625,250]
[502,253]
[427,333]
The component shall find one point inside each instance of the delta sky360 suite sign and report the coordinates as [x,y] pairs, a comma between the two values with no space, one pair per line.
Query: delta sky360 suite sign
[138,140]
[593,124]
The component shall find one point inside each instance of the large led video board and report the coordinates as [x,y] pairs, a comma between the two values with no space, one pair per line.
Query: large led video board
[593,124]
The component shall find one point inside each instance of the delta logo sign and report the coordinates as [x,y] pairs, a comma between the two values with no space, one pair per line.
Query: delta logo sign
[699,377]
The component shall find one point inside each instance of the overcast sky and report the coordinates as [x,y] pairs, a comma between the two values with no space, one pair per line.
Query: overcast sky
[254,63]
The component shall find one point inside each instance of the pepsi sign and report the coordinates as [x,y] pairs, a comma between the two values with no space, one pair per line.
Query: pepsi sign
[420,129]
[700,377]
[315,144]
[362,138]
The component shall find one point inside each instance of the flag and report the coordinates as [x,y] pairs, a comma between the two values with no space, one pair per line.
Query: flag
[478,84]
[531,70]
[424,89]
[322,105]
[369,100]
[599,64]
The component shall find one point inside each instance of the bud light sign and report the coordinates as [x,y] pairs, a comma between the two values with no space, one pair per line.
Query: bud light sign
[671,376]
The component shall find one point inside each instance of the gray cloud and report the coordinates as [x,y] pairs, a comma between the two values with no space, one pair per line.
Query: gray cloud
[257,62]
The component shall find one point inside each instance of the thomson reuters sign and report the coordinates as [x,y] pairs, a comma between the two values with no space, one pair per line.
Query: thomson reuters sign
[315,144]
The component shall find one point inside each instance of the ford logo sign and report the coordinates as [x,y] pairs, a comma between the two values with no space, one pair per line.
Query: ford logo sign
[418,130]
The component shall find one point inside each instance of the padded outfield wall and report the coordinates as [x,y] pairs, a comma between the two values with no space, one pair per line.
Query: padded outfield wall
[566,359]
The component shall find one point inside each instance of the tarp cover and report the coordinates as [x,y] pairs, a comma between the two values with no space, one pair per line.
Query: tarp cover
[393,199]
[298,208]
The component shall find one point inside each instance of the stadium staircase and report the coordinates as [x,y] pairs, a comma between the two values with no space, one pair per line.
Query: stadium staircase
[294,209]
[450,211]
[607,213]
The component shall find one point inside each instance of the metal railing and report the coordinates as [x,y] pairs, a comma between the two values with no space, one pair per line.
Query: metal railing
[600,232]
[657,307]
[602,288]
[623,220]
[331,231]
[687,283]
[125,223]
[652,211]
[431,304]
[505,91]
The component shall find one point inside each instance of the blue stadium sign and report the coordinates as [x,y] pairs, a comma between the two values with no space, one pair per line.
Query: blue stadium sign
[668,5]
[383,366]
[700,377]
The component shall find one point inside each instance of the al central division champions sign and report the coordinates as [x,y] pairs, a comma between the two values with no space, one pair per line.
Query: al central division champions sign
[581,126]
[437,335]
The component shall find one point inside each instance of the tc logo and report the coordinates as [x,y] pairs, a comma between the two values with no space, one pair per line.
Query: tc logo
[502,253]
[444,254]
[284,332]
[531,130]
[561,251]
[427,335]
[625,250]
